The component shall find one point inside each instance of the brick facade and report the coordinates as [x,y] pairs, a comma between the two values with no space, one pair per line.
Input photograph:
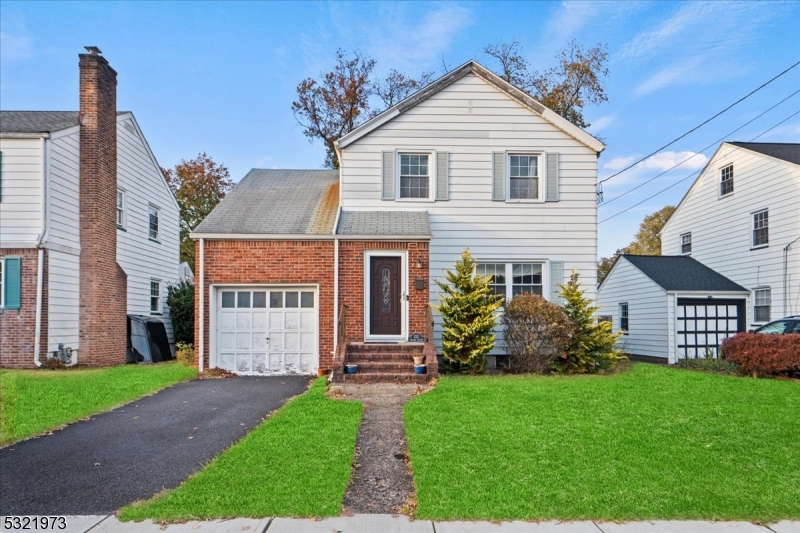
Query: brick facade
[18,326]
[103,283]
[308,262]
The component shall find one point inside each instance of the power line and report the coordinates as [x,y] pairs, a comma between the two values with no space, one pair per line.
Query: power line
[599,184]
[704,149]
[692,174]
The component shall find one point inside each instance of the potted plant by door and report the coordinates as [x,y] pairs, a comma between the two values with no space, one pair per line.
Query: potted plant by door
[351,368]
[420,369]
[419,360]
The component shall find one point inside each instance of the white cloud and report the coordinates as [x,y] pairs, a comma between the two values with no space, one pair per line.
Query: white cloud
[16,42]
[618,163]
[685,161]
[599,124]
[787,133]
[663,161]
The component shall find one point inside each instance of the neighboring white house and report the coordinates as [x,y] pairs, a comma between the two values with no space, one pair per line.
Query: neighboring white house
[670,307]
[741,217]
[41,216]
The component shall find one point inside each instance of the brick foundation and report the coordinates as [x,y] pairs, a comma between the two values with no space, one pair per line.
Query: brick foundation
[18,326]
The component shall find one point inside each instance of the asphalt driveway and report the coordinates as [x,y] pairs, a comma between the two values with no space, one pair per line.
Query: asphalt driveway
[98,465]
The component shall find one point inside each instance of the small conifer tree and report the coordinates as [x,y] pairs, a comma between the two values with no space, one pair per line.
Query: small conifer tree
[592,347]
[467,307]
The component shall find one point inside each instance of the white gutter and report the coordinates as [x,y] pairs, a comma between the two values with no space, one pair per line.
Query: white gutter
[202,350]
[336,282]
[37,343]
[304,237]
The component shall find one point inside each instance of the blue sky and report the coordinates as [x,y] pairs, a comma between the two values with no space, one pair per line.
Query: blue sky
[220,77]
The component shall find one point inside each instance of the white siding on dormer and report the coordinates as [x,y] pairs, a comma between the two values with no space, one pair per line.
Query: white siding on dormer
[21,202]
[721,227]
[648,331]
[471,119]
[141,258]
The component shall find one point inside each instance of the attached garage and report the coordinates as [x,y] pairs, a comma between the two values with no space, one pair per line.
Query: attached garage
[265,329]
[671,307]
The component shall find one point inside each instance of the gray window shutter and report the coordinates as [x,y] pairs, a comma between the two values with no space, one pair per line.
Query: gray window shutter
[13,282]
[556,277]
[552,178]
[498,176]
[442,176]
[387,176]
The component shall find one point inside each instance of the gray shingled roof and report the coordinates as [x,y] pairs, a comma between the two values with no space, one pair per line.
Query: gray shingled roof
[787,151]
[278,202]
[682,273]
[38,121]
[384,223]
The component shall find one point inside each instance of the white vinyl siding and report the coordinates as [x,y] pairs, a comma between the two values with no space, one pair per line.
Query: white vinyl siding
[722,231]
[143,260]
[21,204]
[471,120]
[63,300]
[63,224]
[647,306]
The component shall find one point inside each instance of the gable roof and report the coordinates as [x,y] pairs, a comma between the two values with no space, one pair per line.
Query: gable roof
[681,273]
[384,223]
[38,121]
[277,202]
[473,67]
[786,151]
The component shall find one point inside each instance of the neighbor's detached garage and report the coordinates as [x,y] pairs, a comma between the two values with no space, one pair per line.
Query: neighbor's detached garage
[671,307]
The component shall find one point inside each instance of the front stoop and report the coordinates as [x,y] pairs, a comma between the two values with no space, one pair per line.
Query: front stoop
[385,363]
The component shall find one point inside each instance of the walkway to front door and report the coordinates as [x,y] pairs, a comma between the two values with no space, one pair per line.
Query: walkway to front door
[385,296]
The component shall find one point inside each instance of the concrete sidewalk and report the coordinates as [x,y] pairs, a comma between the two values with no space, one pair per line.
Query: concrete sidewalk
[368,523]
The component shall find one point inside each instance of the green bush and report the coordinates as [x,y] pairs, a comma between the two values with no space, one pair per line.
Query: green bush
[536,333]
[592,347]
[180,300]
[468,310]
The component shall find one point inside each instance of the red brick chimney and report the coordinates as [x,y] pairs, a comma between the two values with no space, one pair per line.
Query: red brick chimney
[103,283]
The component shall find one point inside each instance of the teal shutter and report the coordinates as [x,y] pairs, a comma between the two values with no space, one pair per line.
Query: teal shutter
[498,176]
[13,281]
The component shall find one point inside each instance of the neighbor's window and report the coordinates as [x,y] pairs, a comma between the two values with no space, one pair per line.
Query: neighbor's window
[761,228]
[623,317]
[726,180]
[497,271]
[686,243]
[762,303]
[523,177]
[154,222]
[414,176]
[121,209]
[155,296]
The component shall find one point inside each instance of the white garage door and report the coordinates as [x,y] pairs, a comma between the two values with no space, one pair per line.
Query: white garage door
[262,330]
[703,324]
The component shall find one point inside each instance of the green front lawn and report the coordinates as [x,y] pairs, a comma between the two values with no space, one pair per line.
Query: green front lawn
[650,443]
[35,401]
[296,463]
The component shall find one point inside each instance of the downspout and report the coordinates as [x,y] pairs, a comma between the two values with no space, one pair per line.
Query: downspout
[202,348]
[786,288]
[37,343]
[336,281]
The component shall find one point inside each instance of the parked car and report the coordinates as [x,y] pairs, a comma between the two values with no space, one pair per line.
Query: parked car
[790,324]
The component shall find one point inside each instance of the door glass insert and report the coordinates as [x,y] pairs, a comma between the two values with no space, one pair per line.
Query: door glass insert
[291,299]
[307,299]
[243,299]
[260,299]
[276,299]
[228,299]
[385,286]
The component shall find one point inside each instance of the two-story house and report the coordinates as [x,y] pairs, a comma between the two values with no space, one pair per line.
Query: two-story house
[88,228]
[298,269]
[731,257]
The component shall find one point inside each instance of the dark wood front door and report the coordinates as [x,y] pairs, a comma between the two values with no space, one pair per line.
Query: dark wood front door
[385,307]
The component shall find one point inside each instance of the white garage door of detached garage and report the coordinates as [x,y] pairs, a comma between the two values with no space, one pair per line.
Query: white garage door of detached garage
[267,330]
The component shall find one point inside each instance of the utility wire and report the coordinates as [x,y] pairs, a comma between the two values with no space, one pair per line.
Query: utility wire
[693,173]
[751,93]
[704,149]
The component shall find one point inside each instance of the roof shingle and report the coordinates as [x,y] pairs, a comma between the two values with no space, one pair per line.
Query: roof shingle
[277,202]
[787,151]
[384,223]
[682,273]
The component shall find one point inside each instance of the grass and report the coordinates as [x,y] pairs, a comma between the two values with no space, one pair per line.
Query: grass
[649,443]
[296,463]
[36,401]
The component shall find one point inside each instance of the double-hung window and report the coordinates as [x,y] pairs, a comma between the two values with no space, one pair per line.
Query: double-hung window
[523,176]
[623,317]
[726,180]
[761,228]
[120,209]
[761,304]
[153,222]
[686,243]
[415,177]
[511,279]
[155,296]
